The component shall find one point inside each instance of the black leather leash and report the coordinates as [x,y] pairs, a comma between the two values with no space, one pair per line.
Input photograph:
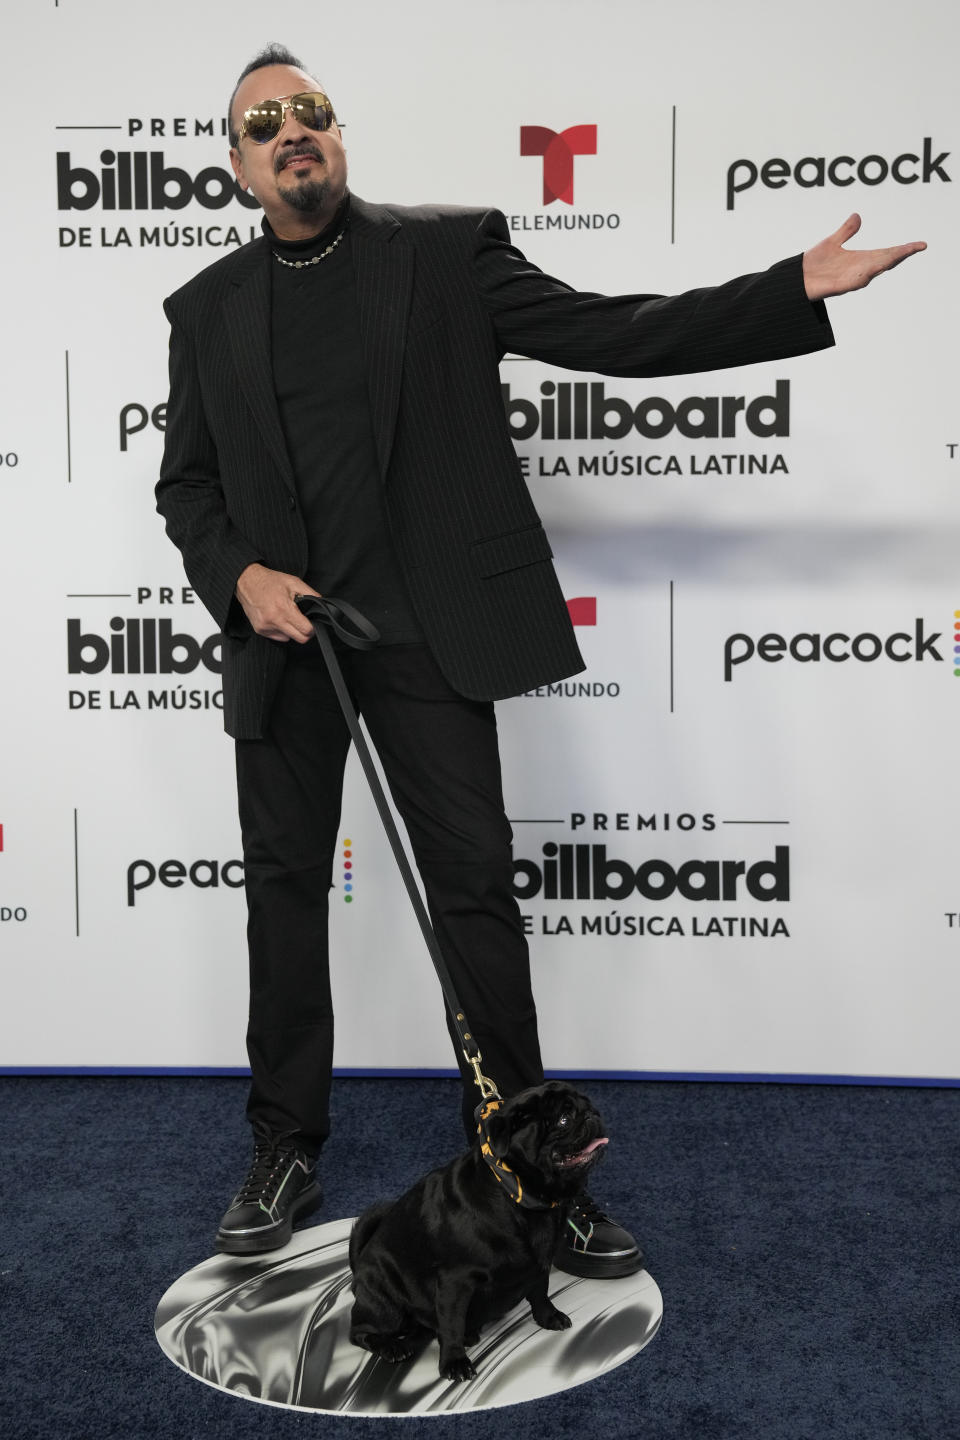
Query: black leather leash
[326,614]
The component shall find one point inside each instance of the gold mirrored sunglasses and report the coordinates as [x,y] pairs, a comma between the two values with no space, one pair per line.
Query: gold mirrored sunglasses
[264,121]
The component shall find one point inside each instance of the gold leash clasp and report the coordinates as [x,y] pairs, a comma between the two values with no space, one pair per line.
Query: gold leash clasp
[488,1091]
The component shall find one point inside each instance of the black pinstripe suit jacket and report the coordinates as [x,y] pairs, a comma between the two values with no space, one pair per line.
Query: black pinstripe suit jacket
[442,295]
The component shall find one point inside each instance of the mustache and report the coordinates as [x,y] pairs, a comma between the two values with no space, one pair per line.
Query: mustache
[283,158]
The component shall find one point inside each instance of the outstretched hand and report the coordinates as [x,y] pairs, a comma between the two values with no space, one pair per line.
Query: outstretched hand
[828,269]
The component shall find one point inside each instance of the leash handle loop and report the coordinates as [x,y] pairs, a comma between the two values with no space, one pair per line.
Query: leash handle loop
[359,632]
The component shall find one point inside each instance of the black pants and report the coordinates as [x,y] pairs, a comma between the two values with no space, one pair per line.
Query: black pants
[439,753]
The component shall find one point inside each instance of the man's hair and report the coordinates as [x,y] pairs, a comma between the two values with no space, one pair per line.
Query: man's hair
[272,54]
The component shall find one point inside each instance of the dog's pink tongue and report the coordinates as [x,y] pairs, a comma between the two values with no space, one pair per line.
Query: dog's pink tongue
[583,1155]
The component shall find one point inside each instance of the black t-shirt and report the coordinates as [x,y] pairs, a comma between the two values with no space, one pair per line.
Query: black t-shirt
[320,382]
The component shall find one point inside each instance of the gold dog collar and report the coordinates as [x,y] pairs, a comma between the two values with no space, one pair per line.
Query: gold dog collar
[502,1172]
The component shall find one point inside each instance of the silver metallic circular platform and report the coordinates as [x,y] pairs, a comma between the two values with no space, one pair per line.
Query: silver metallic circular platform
[274,1328]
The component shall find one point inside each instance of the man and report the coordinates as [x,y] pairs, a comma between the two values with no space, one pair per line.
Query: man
[335,426]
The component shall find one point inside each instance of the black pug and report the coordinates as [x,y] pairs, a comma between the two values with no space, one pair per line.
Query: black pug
[473,1239]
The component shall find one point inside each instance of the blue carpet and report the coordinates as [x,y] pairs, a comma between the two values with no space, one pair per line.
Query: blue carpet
[805,1239]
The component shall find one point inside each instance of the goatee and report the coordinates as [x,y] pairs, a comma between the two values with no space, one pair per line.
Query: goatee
[308,196]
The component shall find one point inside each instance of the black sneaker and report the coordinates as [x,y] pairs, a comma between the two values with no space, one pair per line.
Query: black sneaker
[596,1246]
[281,1184]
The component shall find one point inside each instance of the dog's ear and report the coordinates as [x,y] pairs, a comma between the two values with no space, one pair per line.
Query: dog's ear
[499,1131]
[515,1131]
[506,1124]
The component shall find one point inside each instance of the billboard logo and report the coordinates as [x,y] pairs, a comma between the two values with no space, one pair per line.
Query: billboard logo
[583,410]
[557,150]
[139,647]
[587,872]
[137,180]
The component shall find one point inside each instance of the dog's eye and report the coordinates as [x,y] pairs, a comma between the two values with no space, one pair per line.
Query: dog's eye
[564,1120]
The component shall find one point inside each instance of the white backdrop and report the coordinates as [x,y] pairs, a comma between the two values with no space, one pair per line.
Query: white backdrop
[830,509]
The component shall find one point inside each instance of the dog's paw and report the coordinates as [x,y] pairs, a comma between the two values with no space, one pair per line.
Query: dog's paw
[457,1367]
[395,1350]
[553,1319]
